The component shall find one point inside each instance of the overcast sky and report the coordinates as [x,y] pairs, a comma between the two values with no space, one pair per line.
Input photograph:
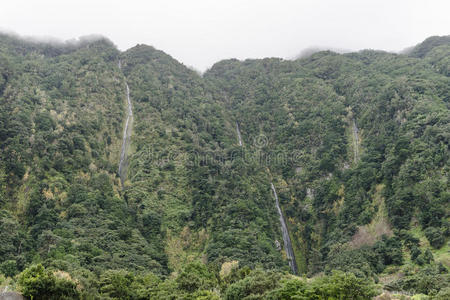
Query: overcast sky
[202,32]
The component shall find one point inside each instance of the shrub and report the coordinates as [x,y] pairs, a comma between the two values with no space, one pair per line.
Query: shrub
[9,268]
[37,283]
[254,286]
[342,286]
[196,276]
[435,237]
[117,284]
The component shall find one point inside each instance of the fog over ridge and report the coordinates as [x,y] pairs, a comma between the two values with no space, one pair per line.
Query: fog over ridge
[200,33]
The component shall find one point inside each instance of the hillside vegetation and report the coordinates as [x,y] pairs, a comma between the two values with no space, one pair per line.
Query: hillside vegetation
[356,145]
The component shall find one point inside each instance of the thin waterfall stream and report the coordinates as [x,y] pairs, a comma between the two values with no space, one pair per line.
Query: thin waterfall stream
[284,230]
[239,134]
[126,136]
[285,233]
[355,142]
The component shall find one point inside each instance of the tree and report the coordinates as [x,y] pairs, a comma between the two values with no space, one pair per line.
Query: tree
[9,268]
[435,237]
[196,276]
[38,283]
[117,284]
[342,286]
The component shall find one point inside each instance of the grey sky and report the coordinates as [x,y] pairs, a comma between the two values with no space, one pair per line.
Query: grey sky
[202,32]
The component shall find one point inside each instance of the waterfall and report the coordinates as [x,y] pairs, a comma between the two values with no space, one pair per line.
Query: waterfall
[355,142]
[126,136]
[239,134]
[285,233]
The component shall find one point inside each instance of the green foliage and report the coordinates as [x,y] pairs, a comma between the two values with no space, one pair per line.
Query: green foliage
[426,46]
[9,268]
[435,237]
[443,294]
[415,253]
[60,130]
[266,285]
[342,286]
[193,193]
[117,285]
[255,285]
[196,276]
[38,283]
[429,280]
[290,288]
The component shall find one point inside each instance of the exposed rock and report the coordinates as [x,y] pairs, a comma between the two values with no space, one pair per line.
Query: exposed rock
[278,245]
[11,296]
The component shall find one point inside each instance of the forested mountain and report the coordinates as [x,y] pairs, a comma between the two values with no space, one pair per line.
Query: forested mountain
[356,146]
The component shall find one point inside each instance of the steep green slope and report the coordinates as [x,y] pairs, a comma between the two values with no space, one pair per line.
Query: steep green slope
[61,117]
[305,111]
[183,182]
[356,146]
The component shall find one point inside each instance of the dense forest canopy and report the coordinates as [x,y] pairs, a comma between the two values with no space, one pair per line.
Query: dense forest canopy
[356,145]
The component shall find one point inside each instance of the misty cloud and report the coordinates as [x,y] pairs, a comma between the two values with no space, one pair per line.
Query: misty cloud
[200,33]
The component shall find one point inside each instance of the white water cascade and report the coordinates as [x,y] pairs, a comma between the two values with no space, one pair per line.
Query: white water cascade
[239,134]
[126,136]
[285,234]
[355,142]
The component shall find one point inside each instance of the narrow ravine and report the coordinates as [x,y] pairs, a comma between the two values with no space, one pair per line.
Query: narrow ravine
[126,137]
[355,142]
[239,134]
[285,233]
